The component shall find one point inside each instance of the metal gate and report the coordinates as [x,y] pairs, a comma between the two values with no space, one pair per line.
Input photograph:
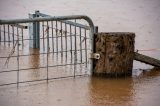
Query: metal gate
[44,47]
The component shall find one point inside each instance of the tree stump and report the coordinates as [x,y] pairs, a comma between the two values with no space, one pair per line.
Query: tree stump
[116,54]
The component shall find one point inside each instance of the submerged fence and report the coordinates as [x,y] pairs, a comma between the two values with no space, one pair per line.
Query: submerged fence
[44,48]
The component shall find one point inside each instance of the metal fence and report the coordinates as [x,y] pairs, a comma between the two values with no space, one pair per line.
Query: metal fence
[44,47]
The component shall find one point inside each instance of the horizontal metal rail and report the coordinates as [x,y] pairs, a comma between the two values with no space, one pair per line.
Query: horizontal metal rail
[55,18]
[21,82]
[19,26]
[41,67]
[45,38]
[43,53]
[66,22]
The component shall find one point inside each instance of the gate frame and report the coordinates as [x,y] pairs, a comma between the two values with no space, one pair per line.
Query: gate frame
[60,18]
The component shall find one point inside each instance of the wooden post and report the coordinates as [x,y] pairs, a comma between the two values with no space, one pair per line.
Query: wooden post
[147,59]
[116,54]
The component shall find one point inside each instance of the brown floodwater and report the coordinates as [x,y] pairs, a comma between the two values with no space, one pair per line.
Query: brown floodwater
[142,89]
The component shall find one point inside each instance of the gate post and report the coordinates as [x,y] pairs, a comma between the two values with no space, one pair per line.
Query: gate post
[34,32]
[116,54]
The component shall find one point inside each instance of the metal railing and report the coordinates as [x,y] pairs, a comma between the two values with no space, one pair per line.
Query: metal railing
[63,43]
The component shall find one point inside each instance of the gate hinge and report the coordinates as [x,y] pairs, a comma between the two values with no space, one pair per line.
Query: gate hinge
[94,56]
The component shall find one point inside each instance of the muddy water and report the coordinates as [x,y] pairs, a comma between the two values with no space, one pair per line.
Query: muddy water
[139,16]
[85,91]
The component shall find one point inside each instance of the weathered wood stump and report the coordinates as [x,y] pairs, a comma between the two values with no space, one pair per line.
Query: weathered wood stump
[116,54]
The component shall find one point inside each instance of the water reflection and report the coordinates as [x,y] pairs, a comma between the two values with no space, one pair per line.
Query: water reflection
[105,91]
[152,73]
[34,62]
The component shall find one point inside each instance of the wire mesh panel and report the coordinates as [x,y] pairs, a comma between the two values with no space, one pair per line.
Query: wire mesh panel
[62,51]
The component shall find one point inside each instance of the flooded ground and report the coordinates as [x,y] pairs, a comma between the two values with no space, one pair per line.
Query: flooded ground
[139,16]
[85,91]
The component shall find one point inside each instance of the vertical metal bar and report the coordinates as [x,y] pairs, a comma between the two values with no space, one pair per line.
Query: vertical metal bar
[61,40]
[43,36]
[13,34]
[48,35]
[56,38]
[71,41]
[65,32]
[96,29]
[85,45]
[17,57]
[80,44]
[75,43]
[22,36]
[74,74]
[0,33]
[75,52]
[8,35]
[4,34]
[92,49]
[37,35]
[94,45]
[47,49]
[52,36]
[34,32]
